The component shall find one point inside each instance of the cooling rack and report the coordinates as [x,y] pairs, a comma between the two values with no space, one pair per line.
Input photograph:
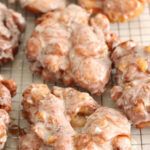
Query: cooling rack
[138,30]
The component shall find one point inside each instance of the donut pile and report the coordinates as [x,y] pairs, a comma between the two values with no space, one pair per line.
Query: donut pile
[76,47]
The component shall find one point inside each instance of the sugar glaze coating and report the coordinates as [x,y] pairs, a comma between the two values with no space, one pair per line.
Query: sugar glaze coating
[64,118]
[131,92]
[72,46]
[12,24]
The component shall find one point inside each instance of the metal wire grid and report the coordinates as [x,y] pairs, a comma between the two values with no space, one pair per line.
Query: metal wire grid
[138,30]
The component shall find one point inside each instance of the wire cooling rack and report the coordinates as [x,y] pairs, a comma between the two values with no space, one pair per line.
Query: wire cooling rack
[138,30]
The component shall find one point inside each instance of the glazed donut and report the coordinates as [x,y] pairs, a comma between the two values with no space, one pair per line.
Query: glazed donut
[7,91]
[131,93]
[12,24]
[72,46]
[78,105]
[4,121]
[52,125]
[41,6]
[64,118]
[115,10]
[105,129]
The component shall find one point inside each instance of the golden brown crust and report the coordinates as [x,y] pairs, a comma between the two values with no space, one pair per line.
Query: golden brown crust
[7,91]
[32,9]
[11,85]
[116,11]
[143,125]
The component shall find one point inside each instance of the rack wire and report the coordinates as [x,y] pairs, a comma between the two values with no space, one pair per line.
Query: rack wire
[138,30]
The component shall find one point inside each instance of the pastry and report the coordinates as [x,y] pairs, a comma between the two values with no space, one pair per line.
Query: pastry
[12,24]
[115,10]
[131,92]
[77,104]
[105,129]
[51,116]
[7,91]
[72,46]
[41,6]
[64,118]
[4,121]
